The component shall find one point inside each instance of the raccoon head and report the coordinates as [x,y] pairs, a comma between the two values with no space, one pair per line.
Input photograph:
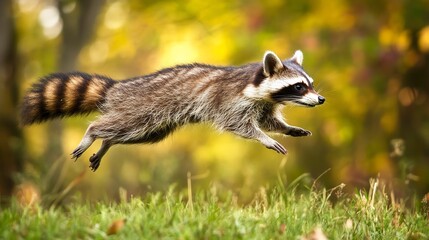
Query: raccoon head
[284,82]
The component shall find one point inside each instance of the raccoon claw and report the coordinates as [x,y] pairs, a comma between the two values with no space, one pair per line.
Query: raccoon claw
[298,132]
[94,162]
[278,148]
[76,153]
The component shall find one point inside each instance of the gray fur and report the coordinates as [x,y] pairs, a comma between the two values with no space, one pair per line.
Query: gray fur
[148,108]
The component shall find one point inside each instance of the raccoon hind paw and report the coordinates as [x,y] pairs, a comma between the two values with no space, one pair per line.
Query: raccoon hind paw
[77,153]
[277,147]
[95,161]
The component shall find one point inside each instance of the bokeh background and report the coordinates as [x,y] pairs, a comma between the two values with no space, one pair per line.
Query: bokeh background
[370,59]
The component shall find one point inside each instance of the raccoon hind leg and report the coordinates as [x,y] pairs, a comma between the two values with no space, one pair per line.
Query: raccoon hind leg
[84,144]
[91,134]
[95,159]
[155,136]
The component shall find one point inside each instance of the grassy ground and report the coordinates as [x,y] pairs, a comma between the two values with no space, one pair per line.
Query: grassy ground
[275,214]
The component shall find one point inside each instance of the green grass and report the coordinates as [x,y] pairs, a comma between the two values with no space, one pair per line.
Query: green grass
[273,214]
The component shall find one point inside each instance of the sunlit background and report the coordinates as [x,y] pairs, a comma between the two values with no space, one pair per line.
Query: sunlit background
[370,59]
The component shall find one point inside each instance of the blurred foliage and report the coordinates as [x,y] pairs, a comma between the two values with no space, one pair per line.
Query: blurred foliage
[369,59]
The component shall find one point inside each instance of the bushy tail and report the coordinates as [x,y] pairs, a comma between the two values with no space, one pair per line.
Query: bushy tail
[64,94]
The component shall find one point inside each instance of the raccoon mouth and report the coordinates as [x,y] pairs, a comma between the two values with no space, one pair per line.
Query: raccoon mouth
[304,104]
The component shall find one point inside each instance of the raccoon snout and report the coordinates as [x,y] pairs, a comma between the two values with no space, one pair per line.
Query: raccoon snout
[321,99]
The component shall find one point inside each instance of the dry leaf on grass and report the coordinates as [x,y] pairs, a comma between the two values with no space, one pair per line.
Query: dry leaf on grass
[116,226]
[27,195]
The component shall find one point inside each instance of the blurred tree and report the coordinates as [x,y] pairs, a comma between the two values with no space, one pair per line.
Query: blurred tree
[11,143]
[413,96]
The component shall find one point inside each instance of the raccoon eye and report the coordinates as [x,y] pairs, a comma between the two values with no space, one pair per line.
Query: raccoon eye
[299,87]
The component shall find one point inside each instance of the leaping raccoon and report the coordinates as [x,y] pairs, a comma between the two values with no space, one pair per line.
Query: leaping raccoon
[245,100]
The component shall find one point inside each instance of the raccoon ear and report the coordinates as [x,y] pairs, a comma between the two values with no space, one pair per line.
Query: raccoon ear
[272,64]
[298,57]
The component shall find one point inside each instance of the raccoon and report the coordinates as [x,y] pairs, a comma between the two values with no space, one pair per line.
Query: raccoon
[245,100]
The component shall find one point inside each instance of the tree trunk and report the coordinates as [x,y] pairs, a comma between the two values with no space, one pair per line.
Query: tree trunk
[11,143]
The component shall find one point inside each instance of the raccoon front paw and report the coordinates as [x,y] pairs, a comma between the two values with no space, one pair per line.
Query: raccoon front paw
[298,132]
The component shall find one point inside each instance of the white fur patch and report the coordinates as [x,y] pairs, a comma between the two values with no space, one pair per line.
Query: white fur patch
[311,98]
[269,86]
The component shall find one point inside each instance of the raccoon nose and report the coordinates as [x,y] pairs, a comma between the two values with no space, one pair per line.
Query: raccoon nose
[321,100]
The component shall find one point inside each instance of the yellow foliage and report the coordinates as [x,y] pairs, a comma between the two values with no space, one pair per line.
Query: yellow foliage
[391,37]
[116,15]
[386,36]
[329,14]
[403,41]
[424,39]
[389,122]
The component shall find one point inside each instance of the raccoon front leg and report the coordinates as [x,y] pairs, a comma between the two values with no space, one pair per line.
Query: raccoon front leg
[273,124]
[252,132]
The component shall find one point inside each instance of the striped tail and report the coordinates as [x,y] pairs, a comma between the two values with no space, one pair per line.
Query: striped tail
[64,94]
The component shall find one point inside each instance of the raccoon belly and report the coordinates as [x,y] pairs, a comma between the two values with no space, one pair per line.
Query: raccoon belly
[152,136]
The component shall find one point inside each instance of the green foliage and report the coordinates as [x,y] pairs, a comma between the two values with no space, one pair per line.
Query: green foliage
[273,214]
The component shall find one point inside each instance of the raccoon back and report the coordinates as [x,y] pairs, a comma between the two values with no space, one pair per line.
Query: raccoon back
[64,94]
